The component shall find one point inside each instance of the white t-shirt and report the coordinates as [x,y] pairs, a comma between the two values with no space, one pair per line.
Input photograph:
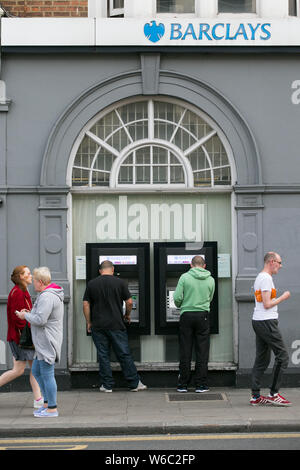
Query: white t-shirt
[264,282]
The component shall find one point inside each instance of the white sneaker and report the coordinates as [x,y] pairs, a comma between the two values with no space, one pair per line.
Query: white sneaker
[106,390]
[139,387]
[38,403]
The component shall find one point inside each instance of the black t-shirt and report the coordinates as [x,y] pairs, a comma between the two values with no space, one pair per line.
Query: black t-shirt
[105,295]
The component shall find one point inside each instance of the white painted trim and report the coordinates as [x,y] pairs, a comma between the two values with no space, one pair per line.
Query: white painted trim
[243,13]
[234,271]
[115,11]
[97,8]
[181,155]
[70,320]
[206,8]
[147,142]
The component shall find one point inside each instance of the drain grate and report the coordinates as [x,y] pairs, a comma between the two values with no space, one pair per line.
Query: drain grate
[195,396]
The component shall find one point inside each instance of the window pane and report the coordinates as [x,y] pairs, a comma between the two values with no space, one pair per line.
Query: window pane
[104,161]
[138,130]
[133,112]
[198,160]
[142,174]
[237,6]
[160,156]
[175,6]
[167,111]
[125,175]
[216,152]
[183,140]
[80,177]
[163,130]
[119,140]
[86,152]
[293,7]
[196,125]
[100,179]
[118,3]
[222,176]
[142,156]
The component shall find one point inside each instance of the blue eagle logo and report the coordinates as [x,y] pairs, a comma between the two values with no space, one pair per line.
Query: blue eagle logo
[154,32]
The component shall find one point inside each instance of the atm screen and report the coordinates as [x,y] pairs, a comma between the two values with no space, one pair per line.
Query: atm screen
[130,259]
[181,259]
[134,290]
[173,312]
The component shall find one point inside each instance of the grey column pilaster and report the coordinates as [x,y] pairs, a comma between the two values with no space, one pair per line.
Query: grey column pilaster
[249,209]
[53,237]
[4,108]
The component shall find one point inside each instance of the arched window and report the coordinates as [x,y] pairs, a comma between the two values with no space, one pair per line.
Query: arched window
[151,143]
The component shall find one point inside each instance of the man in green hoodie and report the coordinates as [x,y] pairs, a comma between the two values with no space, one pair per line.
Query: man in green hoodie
[193,295]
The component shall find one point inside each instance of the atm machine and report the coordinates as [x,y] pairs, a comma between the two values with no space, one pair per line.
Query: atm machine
[131,262]
[171,260]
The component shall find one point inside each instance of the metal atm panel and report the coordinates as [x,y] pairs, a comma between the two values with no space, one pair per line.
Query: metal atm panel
[131,262]
[171,260]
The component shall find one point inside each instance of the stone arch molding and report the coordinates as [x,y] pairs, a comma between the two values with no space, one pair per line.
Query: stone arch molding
[189,89]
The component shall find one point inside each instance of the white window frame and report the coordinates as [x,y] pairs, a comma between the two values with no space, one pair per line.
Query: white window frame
[182,155]
[115,11]
[175,15]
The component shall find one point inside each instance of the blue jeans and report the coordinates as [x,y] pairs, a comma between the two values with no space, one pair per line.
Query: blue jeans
[118,339]
[44,375]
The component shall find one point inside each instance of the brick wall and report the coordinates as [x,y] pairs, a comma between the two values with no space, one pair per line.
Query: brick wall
[52,8]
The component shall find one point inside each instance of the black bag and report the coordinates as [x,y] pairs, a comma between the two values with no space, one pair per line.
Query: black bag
[25,338]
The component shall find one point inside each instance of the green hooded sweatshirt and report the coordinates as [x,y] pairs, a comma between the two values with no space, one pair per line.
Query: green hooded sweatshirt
[194,291]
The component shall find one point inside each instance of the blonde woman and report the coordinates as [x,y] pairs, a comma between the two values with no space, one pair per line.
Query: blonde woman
[46,319]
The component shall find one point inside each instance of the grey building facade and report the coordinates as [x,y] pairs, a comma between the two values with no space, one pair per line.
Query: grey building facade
[72,120]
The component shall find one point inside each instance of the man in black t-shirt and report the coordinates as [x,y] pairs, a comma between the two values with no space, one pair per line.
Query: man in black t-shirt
[103,310]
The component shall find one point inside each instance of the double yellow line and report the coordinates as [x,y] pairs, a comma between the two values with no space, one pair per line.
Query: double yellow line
[168,437]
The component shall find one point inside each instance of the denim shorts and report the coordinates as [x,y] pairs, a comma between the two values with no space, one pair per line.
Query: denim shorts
[21,354]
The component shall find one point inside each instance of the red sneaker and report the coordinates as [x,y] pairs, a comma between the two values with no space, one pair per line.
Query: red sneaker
[278,400]
[259,401]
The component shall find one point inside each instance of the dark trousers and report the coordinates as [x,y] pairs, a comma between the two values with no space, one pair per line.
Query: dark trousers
[193,330]
[268,339]
[118,339]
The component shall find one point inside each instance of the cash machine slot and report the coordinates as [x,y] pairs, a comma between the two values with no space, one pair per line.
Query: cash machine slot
[131,262]
[171,260]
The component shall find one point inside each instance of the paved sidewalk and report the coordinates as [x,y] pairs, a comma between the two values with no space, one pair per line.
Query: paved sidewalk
[90,412]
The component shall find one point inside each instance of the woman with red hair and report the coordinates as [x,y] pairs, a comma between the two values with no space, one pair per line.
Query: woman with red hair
[19,299]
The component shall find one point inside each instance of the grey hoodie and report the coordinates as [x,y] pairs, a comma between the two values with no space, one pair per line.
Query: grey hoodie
[46,320]
[194,291]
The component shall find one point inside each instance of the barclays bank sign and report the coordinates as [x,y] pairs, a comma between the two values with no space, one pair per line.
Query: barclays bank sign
[206,32]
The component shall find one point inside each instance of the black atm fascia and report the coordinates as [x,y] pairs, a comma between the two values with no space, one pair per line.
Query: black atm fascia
[131,272]
[172,272]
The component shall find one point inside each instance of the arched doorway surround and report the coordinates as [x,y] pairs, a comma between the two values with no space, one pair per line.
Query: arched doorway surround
[189,89]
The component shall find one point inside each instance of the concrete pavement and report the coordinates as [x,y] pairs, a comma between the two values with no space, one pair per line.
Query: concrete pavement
[154,411]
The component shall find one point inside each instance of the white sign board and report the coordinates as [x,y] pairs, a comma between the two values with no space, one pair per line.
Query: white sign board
[181,259]
[80,263]
[130,259]
[222,31]
[224,265]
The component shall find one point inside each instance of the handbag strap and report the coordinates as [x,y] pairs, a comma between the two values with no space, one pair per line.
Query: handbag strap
[28,305]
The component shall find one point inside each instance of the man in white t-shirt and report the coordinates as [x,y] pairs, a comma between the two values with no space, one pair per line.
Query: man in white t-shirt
[268,336]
